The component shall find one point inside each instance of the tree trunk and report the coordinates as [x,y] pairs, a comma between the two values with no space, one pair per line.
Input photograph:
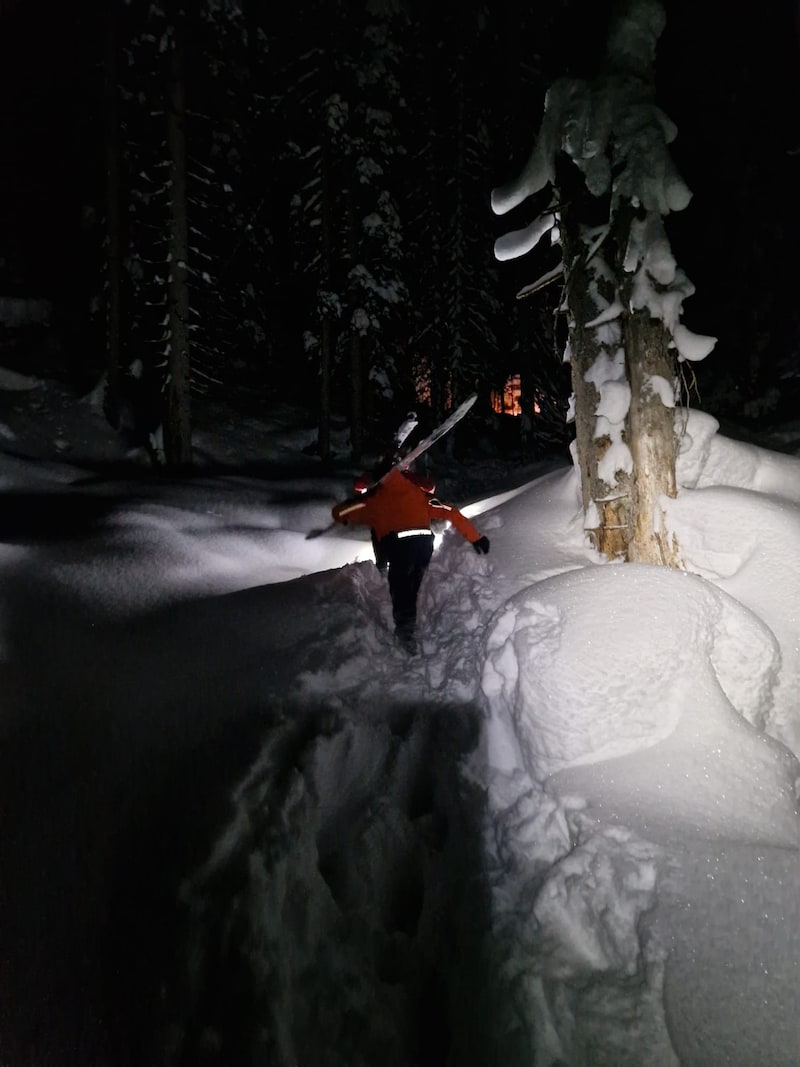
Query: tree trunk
[651,373]
[326,324]
[356,396]
[111,402]
[607,507]
[356,340]
[177,420]
[326,363]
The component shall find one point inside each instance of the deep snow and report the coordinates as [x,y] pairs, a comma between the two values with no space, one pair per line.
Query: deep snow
[240,826]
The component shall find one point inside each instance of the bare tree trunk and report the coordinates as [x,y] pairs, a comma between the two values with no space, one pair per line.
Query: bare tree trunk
[356,341]
[327,339]
[356,396]
[111,401]
[651,373]
[177,420]
[326,363]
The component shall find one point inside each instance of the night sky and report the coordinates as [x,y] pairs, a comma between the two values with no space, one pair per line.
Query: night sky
[731,82]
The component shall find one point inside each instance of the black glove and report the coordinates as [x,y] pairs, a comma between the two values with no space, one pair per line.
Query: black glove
[481,546]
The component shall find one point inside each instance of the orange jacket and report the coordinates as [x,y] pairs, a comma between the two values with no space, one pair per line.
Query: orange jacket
[397,504]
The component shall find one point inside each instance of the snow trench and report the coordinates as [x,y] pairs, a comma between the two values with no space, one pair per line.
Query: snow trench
[341,917]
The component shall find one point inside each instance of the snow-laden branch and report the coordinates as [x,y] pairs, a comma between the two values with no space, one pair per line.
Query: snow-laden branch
[519,242]
[540,283]
[616,136]
[539,171]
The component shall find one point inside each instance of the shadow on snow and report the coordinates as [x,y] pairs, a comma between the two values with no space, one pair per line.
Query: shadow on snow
[194,875]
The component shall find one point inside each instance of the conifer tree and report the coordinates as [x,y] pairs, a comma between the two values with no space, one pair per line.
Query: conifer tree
[346,223]
[181,71]
[456,294]
[602,155]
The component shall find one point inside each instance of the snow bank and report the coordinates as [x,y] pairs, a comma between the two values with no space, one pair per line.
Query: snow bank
[593,774]
[706,458]
[660,631]
[750,550]
[738,526]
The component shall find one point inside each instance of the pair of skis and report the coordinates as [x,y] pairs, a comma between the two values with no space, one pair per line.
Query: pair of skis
[408,425]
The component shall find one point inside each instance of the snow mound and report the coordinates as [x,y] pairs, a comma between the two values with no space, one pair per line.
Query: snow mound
[681,668]
[749,550]
[645,664]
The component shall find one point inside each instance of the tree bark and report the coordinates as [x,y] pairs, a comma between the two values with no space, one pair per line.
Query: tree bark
[650,364]
[177,420]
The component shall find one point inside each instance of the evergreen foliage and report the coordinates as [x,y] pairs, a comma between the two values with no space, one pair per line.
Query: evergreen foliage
[456,288]
[338,167]
[229,267]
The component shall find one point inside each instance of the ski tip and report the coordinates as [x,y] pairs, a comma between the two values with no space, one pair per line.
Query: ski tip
[462,408]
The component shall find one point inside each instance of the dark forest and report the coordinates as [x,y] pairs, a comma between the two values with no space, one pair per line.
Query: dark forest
[339,161]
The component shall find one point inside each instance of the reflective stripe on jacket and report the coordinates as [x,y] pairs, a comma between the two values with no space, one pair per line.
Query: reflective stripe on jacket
[397,504]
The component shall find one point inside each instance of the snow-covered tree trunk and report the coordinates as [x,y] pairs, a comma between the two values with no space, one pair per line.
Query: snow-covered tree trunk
[177,416]
[605,482]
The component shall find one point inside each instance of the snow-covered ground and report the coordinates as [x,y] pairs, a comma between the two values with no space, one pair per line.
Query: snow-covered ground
[240,826]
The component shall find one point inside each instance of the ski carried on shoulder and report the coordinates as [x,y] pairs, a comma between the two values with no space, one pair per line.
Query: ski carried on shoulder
[422,446]
[404,430]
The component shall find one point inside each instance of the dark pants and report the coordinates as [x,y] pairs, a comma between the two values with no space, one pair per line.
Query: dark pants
[408,559]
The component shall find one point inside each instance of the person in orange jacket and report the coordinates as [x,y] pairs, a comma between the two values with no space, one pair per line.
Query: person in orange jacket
[364,482]
[400,514]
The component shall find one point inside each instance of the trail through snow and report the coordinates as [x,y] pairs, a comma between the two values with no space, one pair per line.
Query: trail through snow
[244,827]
